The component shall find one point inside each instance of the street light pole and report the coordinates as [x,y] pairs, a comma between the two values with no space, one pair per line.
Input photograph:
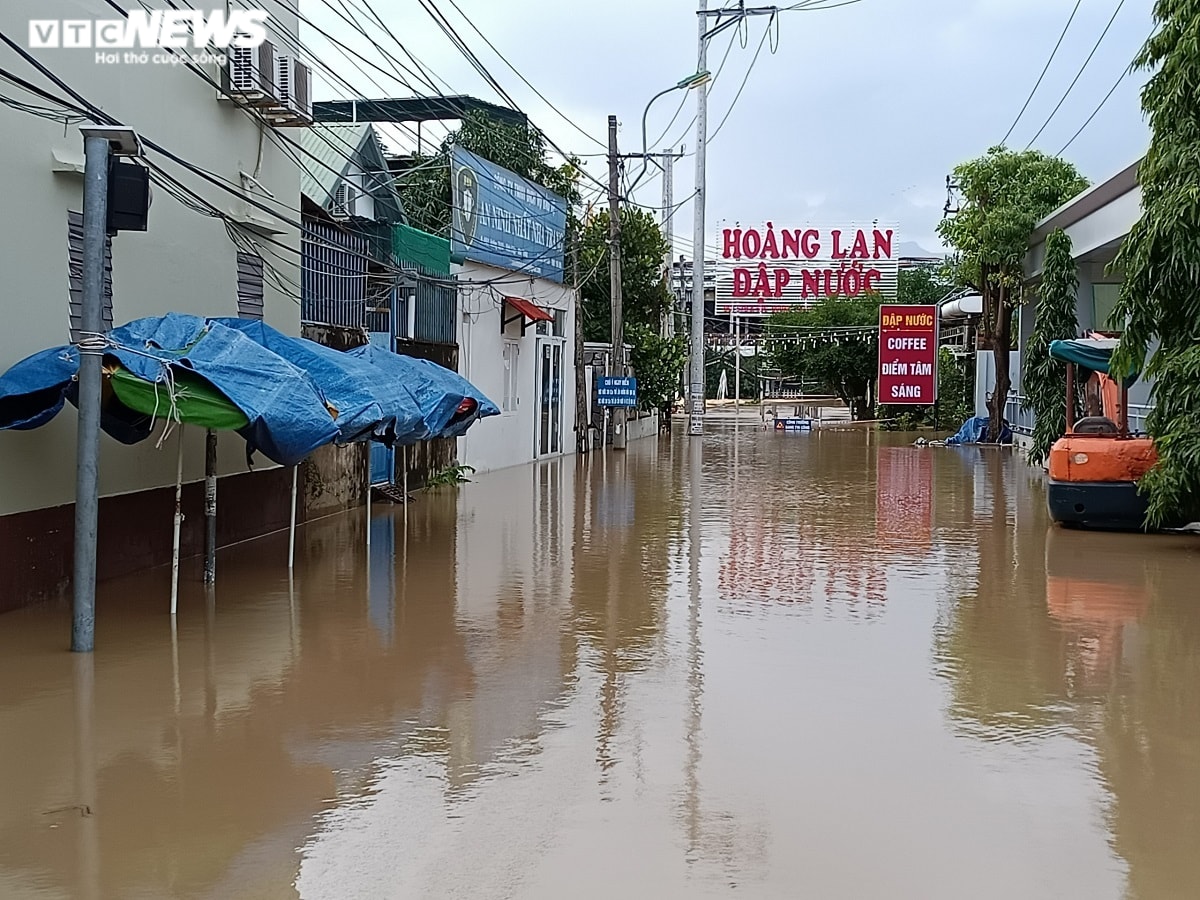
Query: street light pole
[696,395]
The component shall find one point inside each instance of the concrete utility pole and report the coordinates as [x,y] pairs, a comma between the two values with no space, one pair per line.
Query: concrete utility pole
[91,351]
[614,273]
[696,395]
[726,17]
[668,324]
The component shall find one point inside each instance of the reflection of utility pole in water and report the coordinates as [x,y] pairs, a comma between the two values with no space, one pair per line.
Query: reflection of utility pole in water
[88,878]
[610,693]
[695,677]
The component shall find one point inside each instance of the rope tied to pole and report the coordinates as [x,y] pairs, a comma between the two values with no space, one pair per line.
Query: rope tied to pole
[92,343]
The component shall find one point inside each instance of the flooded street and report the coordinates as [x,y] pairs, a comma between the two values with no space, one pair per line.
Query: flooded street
[828,665]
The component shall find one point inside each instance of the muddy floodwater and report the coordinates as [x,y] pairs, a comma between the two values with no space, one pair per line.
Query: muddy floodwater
[816,665]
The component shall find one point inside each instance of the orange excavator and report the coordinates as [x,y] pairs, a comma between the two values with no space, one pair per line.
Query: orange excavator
[1096,466]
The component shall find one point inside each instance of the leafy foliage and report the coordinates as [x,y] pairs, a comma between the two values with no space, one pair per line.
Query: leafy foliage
[843,365]
[425,188]
[719,359]
[923,286]
[1045,380]
[1004,195]
[658,362]
[1160,298]
[645,296]
[450,475]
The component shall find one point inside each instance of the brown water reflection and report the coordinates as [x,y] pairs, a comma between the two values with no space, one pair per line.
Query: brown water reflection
[842,667]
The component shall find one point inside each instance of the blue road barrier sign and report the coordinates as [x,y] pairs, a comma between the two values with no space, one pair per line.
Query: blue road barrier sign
[611,391]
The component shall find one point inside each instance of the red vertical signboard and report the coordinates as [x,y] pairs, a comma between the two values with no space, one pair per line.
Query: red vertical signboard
[908,353]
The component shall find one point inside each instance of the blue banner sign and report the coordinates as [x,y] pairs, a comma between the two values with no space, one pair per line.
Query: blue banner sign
[611,391]
[501,219]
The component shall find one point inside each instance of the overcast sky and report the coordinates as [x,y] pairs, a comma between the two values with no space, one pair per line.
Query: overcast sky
[860,113]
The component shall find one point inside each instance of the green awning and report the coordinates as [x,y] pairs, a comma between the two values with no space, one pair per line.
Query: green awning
[197,402]
[1093,354]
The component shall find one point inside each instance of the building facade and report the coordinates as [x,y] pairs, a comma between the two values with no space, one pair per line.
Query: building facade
[517,344]
[200,255]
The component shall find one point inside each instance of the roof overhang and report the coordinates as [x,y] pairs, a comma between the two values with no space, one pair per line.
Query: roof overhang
[1097,221]
[413,109]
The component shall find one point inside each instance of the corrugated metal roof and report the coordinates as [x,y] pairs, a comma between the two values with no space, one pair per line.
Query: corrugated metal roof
[329,149]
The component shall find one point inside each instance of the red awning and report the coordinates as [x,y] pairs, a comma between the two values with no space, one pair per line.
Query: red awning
[530,311]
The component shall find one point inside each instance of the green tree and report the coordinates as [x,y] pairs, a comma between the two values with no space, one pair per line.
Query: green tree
[923,286]
[658,362]
[425,188]
[1045,380]
[820,344]
[645,298]
[1004,195]
[1160,298]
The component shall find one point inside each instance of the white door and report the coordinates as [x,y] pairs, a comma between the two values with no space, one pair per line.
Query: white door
[548,420]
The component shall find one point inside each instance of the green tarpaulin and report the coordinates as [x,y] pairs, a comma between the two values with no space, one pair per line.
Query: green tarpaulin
[420,248]
[1090,353]
[196,401]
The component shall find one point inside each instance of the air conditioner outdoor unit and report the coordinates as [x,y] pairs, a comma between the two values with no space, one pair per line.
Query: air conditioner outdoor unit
[293,84]
[249,74]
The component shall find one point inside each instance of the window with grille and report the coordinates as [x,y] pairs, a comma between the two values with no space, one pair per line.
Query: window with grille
[249,286]
[75,276]
[511,352]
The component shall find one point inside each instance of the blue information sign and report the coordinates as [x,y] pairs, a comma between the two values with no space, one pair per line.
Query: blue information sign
[611,391]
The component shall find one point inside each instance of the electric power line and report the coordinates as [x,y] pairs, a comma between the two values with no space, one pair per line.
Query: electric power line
[1045,69]
[1082,68]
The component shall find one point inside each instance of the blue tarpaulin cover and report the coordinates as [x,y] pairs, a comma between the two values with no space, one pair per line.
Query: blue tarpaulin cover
[367,407]
[297,394]
[975,431]
[288,415]
[438,391]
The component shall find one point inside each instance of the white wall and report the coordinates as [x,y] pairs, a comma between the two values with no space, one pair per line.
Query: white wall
[509,439]
[184,263]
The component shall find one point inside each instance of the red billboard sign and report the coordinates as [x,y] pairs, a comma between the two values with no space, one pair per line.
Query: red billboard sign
[908,353]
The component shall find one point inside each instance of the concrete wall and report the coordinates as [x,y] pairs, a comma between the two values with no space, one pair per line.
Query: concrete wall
[184,263]
[509,439]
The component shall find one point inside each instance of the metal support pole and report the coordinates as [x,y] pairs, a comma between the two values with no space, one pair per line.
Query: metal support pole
[368,495]
[292,529]
[1070,397]
[87,491]
[696,419]
[178,525]
[737,366]
[404,484]
[210,507]
[614,274]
